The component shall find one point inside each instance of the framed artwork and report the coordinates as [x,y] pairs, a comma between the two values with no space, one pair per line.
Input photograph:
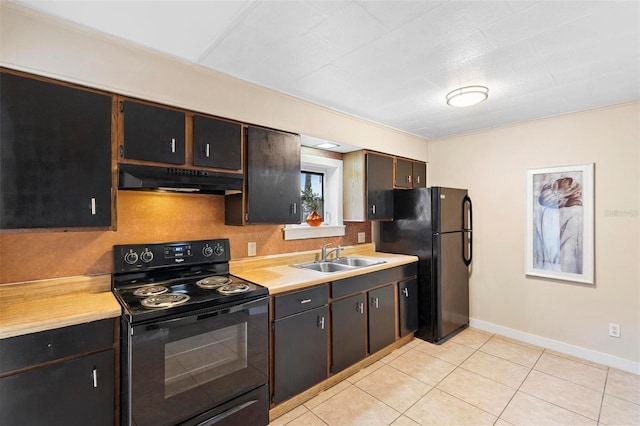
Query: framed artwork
[560,223]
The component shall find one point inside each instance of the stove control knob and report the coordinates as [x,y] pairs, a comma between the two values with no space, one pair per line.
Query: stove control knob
[207,251]
[218,250]
[146,256]
[131,258]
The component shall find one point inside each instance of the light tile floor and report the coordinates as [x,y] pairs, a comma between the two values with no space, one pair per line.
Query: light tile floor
[476,378]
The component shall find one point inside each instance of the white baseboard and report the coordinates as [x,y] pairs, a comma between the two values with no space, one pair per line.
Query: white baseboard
[565,348]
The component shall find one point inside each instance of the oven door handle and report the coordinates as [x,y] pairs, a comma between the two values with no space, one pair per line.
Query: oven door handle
[260,305]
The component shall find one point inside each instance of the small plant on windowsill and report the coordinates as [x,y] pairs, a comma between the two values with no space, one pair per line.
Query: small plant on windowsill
[311,203]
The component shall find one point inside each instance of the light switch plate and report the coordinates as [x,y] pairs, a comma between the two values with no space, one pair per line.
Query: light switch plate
[361,237]
[251,248]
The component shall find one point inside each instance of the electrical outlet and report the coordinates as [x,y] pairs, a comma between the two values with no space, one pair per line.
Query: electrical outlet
[251,248]
[361,237]
[614,330]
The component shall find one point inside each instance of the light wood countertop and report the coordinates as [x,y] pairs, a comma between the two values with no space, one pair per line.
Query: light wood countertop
[35,306]
[276,273]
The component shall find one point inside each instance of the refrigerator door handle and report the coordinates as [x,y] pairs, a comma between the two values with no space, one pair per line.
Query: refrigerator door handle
[469,231]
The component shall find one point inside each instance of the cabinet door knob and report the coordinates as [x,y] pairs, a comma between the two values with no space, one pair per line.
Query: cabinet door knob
[207,150]
[405,291]
[93,206]
[173,145]
[360,307]
[321,322]
[373,209]
[417,179]
[374,302]
[94,376]
[409,179]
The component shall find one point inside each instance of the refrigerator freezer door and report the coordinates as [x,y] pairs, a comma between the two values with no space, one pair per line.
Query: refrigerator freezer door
[452,280]
[450,202]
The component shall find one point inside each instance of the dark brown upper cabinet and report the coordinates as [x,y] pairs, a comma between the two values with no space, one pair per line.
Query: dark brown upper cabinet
[217,143]
[153,133]
[272,192]
[368,187]
[55,155]
[410,174]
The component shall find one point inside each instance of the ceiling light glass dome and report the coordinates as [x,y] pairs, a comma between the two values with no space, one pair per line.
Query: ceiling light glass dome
[467,96]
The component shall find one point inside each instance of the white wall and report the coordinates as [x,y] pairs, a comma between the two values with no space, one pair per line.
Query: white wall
[33,42]
[492,165]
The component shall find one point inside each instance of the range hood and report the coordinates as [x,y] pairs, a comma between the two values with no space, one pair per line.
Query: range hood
[152,178]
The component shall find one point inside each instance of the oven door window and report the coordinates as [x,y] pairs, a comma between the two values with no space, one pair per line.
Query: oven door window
[183,367]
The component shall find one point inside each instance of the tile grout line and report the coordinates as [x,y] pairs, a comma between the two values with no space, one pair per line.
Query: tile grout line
[518,389]
[564,380]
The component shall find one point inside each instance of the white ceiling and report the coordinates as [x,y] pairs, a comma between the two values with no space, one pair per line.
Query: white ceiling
[393,62]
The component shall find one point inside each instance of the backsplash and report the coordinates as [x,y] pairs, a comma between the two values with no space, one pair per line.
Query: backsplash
[145,217]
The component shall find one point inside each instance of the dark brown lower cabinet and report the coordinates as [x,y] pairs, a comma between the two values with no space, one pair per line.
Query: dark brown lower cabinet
[64,376]
[300,355]
[61,394]
[382,311]
[408,306]
[349,331]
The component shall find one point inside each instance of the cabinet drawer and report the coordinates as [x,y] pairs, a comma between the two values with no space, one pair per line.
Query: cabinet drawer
[301,300]
[357,284]
[36,348]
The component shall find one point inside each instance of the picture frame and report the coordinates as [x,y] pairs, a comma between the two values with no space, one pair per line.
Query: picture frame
[560,223]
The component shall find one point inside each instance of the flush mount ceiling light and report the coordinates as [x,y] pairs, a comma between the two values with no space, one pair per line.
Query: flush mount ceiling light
[467,96]
[326,145]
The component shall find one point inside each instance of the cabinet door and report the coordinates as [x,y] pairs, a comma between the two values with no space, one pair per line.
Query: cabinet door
[419,179]
[300,352]
[77,392]
[382,314]
[349,331]
[153,133]
[379,187]
[55,155]
[216,143]
[273,176]
[404,173]
[408,306]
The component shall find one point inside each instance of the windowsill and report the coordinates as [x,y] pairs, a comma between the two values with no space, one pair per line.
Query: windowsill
[301,232]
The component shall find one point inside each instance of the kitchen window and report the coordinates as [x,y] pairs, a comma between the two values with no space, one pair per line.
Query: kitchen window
[329,171]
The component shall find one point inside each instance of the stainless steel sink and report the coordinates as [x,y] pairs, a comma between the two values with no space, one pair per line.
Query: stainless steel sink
[337,265]
[357,261]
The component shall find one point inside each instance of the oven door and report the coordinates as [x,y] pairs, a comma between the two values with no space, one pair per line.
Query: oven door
[176,370]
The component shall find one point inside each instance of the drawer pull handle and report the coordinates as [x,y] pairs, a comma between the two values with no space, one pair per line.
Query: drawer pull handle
[374,302]
[173,145]
[303,301]
[321,322]
[360,307]
[405,291]
[207,151]
[94,376]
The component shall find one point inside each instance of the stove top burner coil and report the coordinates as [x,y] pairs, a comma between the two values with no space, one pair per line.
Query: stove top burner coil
[213,282]
[165,300]
[235,288]
[153,290]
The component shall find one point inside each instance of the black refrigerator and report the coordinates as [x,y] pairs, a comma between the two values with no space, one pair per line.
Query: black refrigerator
[434,224]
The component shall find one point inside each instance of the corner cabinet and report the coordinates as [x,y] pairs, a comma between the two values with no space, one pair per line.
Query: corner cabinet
[63,377]
[272,193]
[55,158]
[368,186]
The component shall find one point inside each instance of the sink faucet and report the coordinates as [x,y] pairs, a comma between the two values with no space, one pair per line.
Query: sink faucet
[326,253]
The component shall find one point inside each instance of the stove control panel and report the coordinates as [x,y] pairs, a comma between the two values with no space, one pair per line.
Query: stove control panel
[132,257]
